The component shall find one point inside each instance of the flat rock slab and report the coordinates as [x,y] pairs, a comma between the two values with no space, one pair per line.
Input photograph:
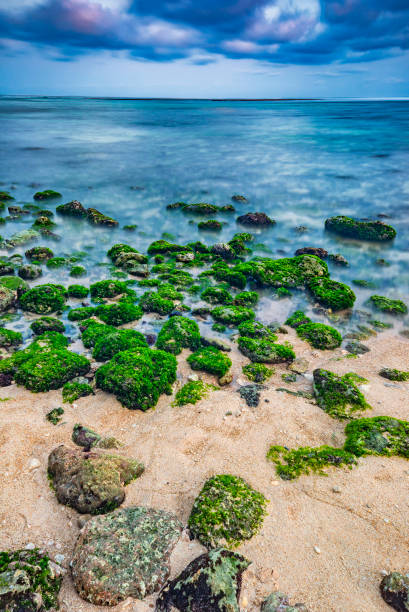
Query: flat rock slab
[124,554]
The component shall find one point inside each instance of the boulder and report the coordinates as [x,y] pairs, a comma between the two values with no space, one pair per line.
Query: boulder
[255,218]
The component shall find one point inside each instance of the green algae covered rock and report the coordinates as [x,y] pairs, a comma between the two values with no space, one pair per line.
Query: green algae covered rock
[138,377]
[108,289]
[361,230]
[337,395]
[210,583]
[287,272]
[28,581]
[256,329]
[278,602]
[45,364]
[5,196]
[30,271]
[320,336]
[13,283]
[332,294]
[91,482]
[109,344]
[291,464]
[87,438]
[297,318]
[378,436]
[393,374]
[118,314]
[226,512]
[9,338]
[39,253]
[210,226]
[77,291]
[152,301]
[166,248]
[232,315]
[257,372]
[7,297]
[395,591]
[92,330]
[256,219]
[124,553]
[48,194]
[233,277]
[210,359]
[44,299]
[246,298]
[56,262]
[263,350]
[72,209]
[22,237]
[192,392]
[387,305]
[79,314]
[96,217]
[178,333]
[72,391]
[216,295]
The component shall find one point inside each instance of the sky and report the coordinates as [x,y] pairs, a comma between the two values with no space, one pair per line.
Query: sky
[208,48]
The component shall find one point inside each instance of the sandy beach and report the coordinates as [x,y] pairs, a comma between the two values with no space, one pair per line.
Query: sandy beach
[324,541]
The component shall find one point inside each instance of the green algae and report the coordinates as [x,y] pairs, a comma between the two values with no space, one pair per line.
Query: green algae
[78,291]
[47,194]
[152,301]
[232,315]
[393,374]
[178,333]
[72,391]
[216,295]
[332,294]
[78,271]
[118,314]
[9,338]
[44,299]
[262,350]
[246,298]
[387,305]
[382,435]
[192,392]
[339,396]
[361,230]
[109,344]
[256,329]
[226,512]
[79,314]
[210,226]
[257,372]
[55,415]
[291,464]
[320,336]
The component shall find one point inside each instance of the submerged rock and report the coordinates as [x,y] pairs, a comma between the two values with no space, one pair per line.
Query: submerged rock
[224,250]
[30,271]
[21,238]
[98,218]
[317,251]
[72,209]
[91,482]
[210,583]
[255,218]
[395,591]
[29,582]
[361,230]
[278,602]
[124,554]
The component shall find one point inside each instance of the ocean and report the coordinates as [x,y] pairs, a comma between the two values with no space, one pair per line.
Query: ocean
[298,161]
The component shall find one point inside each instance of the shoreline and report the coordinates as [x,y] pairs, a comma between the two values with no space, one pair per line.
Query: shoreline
[356,519]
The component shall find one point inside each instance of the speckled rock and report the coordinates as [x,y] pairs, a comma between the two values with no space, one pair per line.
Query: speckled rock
[395,591]
[278,602]
[210,583]
[124,554]
[6,297]
[29,582]
[91,482]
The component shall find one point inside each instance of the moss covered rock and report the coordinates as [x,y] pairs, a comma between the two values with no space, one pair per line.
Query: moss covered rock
[339,396]
[232,315]
[210,359]
[166,248]
[72,209]
[30,271]
[28,581]
[395,591]
[39,253]
[361,230]
[56,262]
[44,299]
[87,438]
[256,329]
[393,374]
[262,350]
[46,324]
[108,289]
[22,237]
[7,297]
[246,298]
[124,553]
[91,482]
[210,583]
[72,391]
[9,338]
[291,464]
[257,372]
[226,512]
[320,336]
[118,314]
[255,219]
[290,272]
[387,305]
[48,194]
[92,330]
[378,436]
[278,602]
[138,377]
[216,295]
[78,271]
[152,301]
[79,314]
[109,344]
[178,333]
[332,294]
[297,318]
[96,217]
[192,392]
[77,291]
[210,226]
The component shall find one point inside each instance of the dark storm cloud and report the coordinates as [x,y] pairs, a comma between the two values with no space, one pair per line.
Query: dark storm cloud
[284,31]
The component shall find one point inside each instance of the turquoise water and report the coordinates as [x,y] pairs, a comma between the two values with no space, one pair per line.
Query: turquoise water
[299,162]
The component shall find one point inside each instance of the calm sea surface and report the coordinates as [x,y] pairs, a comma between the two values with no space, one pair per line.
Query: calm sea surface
[299,162]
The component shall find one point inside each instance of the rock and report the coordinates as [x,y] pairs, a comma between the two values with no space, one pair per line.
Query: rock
[360,230]
[6,269]
[29,582]
[251,394]
[6,298]
[97,218]
[278,602]
[220,344]
[29,272]
[301,229]
[72,209]
[91,482]
[124,554]
[140,270]
[224,250]
[6,379]
[255,218]
[210,583]
[338,259]
[185,257]
[299,365]
[317,251]
[239,198]
[226,379]
[356,348]
[21,238]
[395,591]
[193,378]
[83,436]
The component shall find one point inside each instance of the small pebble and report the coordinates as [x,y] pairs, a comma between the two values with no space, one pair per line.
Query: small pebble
[33,464]
[30,546]
[317,550]
[59,558]
[336,489]
[193,378]
[383,572]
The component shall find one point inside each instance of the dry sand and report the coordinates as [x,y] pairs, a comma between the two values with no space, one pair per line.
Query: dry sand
[325,539]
